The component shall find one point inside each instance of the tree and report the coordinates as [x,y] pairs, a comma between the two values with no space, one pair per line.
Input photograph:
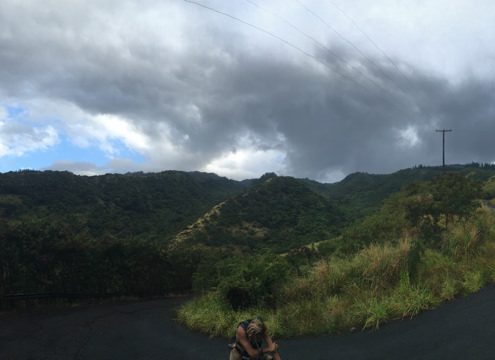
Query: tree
[455,195]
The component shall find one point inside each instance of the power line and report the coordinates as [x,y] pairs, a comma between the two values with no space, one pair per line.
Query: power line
[269,33]
[354,23]
[317,42]
[351,44]
[253,26]
[342,37]
[323,61]
[383,52]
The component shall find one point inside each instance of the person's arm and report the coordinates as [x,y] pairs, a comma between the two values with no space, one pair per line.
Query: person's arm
[246,345]
[271,346]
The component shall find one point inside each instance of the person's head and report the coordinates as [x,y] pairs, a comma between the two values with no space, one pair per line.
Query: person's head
[256,329]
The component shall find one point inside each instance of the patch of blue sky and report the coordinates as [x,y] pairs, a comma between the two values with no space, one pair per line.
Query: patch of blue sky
[66,151]
[14,111]
[24,162]
[123,152]
[39,159]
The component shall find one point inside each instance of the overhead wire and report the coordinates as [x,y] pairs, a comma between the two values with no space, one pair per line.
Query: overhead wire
[342,37]
[316,41]
[319,43]
[279,38]
[254,27]
[372,42]
[354,46]
[354,23]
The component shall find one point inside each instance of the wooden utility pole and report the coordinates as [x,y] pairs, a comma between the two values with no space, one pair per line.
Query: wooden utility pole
[443,131]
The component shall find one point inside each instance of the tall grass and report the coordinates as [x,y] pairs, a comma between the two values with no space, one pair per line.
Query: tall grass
[366,289]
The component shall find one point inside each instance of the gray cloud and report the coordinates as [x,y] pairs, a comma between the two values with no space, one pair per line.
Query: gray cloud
[117,165]
[81,167]
[214,93]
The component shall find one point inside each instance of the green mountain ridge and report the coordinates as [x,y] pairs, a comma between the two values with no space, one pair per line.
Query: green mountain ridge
[162,205]
[275,212]
[360,194]
[154,205]
[113,233]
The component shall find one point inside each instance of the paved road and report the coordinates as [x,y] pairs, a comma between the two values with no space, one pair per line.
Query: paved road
[462,329]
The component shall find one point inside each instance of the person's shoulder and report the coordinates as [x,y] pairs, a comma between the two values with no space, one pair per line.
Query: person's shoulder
[244,324]
[241,330]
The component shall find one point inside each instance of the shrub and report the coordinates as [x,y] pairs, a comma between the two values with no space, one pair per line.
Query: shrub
[472,281]
[380,266]
[254,281]
[386,280]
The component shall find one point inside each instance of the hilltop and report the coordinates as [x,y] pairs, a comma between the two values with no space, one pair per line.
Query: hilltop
[275,212]
[360,194]
[149,205]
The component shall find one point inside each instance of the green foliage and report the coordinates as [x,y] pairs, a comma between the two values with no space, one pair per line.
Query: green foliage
[41,257]
[423,208]
[279,213]
[394,264]
[386,225]
[361,194]
[308,316]
[489,189]
[375,312]
[101,235]
[364,291]
[252,281]
[455,195]
[215,317]
[473,281]
[155,205]
[379,267]
[111,234]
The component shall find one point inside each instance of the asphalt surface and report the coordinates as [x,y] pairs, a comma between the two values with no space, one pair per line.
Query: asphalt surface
[461,329]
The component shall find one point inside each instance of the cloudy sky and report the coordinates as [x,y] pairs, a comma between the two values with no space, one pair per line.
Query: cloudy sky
[305,88]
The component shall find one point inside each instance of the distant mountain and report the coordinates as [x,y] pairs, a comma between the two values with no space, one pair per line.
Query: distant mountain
[275,212]
[360,193]
[158,206]
[151,205]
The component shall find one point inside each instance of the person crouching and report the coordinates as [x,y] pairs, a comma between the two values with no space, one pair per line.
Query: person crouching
[253,342]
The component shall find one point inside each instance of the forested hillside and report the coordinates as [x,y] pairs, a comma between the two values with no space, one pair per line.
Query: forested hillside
[146,234]
[151,206]
[277,213]
[428,243]
[360,194]
[102,234]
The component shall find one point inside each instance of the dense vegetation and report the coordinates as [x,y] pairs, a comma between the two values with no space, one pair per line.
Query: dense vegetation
[361,194]
[257,244]
[428,243]
[101,235]
[276,213]
[149,206]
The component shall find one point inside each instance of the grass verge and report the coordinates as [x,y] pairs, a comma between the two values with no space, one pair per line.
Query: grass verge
[362,291]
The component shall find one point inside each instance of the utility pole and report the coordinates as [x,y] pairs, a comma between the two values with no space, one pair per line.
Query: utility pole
[443,131]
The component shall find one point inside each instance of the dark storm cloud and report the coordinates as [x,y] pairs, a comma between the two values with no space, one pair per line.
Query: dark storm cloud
[327,116]
[332,123]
